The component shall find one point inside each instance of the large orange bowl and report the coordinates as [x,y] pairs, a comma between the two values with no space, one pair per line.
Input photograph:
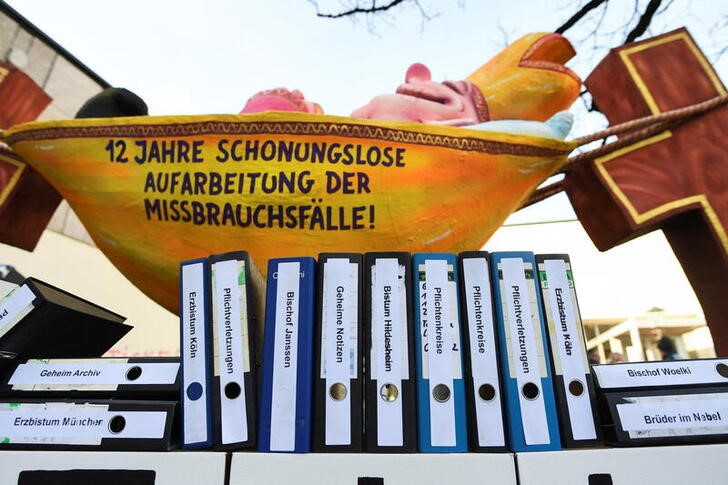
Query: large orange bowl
[153,191]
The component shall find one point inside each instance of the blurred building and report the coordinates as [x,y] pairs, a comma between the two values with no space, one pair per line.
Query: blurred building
[62,76]
[66,79]
[636,338]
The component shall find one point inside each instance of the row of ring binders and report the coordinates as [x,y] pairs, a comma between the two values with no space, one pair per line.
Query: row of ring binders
[385,352]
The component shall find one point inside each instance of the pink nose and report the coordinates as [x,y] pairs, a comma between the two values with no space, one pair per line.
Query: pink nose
[417,72]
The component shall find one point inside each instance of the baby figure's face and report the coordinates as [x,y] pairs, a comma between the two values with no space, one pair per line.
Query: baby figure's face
[423,100]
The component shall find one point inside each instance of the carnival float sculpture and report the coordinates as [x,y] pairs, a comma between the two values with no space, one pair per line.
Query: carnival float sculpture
[153,191]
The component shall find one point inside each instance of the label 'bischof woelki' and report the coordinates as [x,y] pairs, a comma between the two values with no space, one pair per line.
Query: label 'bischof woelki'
[662,373]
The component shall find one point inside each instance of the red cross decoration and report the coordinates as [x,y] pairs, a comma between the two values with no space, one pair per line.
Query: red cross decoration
[22,99]
[676,180]
[27,201]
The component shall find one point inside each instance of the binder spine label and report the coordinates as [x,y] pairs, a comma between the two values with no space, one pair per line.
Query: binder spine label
[569,349]
[230,314]
[285,358]
[523,332]
[441,347]
[484,363]
[339,332]
[193,354]
[389,345]
[15,306]
[50,375]
[674,415]
[70,423]
[665,373]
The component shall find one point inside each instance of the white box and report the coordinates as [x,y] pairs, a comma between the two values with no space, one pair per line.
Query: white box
[664,465]
[404,469]
[170,468]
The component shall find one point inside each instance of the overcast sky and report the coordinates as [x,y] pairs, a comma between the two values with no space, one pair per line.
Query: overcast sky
[195,57]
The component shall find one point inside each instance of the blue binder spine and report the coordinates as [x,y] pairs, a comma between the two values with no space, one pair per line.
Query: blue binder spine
[195,354]
[531,407]
[441,409]
[287,385]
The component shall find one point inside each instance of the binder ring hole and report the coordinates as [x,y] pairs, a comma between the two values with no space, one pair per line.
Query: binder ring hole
[194,391]
[441,393]
[486,392]
[722,369]
[133,373]
[337,391]
[576,387]
[389,392]
[6,354]
[530,391]
[117,424]
[232,390]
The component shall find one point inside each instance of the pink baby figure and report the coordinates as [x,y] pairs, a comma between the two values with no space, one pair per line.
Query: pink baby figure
[527,80]
[280,99]
[452,103]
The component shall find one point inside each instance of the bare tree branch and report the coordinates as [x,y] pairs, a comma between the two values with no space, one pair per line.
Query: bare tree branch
[374,8]
[593,4]
[505,35]
[665,7]
[644,21]
[425,15]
